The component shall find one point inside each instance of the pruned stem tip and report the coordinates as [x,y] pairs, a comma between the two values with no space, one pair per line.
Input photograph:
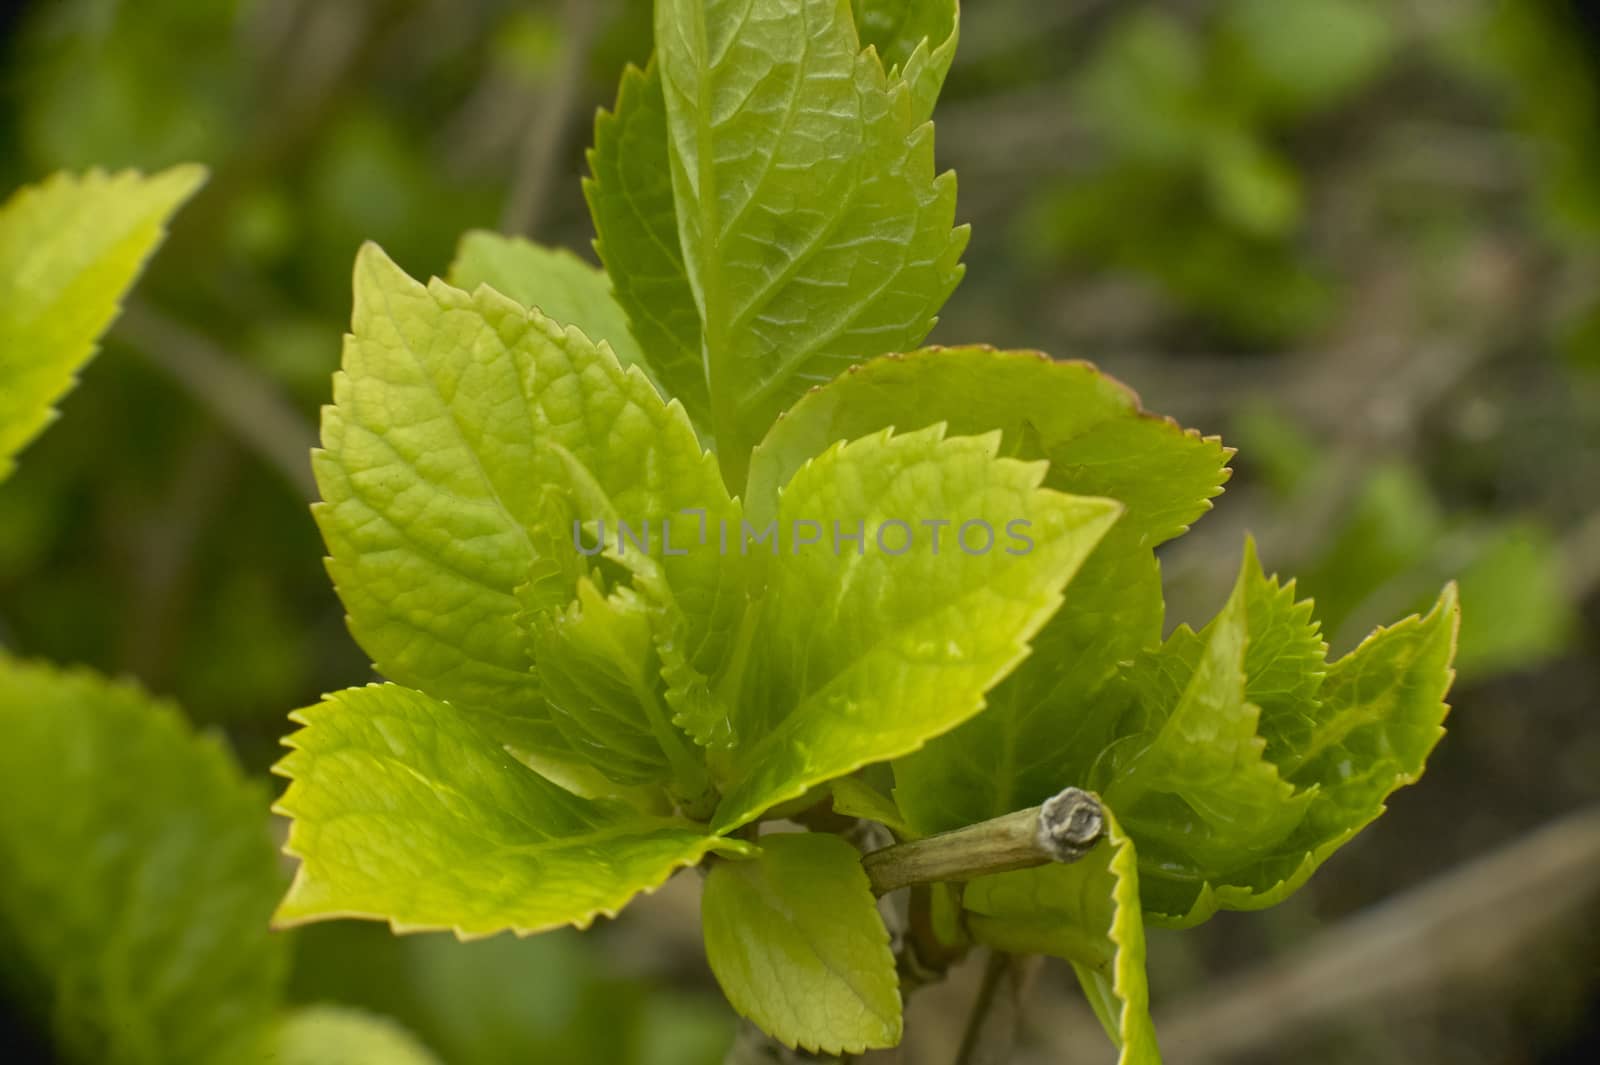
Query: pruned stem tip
[1062,829]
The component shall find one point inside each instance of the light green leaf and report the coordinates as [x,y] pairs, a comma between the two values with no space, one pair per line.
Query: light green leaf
[916,39]
[630,199]
[566,289]
[621,665]
[701,642]
[1189,779]
[139,876]
[1089,425]
[548,756]
[405,811]
[1378,715]
[69,249]
[1285,657]
[1088,913]
[796,942]
[602,651]
[814,229]
[455,418]
[699,709]
[866,654]
[1382,713]
[335,1035]
[1046,723]
[854,797]
[597,670]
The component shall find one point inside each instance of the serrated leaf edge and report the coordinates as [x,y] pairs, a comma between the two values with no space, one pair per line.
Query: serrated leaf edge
[284,807]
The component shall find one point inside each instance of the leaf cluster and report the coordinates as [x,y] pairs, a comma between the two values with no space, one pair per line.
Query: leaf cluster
[573,715]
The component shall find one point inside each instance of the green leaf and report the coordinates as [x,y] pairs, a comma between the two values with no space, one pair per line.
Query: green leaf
[1190,780]
[1046,723]
[139,875]
[404,810]
[1285,658]
[335,1035]
[612,677]
[1378,715]
[1382,713]
[1089,425]
[815,231]
[630,199]
[454,420]
[566,289]
[597,668]
[796,942]
[916,39]
[69,249]
[1087,912]
[854,797]
[864,652]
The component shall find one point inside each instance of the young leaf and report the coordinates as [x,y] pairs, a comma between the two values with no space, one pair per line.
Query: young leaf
[795,939]
[554,281]
[454,418]
[603,659]
[868,648]
[854,797]
[1190,781]
[1380,713]
[1088,913]
[334,1035]
[69,249]
[630,199]
[916,39]
[1285,659]
[814,230]
[1044,724]
[597,671]
[139,876]
[404,810]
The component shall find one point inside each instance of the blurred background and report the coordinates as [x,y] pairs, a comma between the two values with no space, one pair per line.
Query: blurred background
[1359,239]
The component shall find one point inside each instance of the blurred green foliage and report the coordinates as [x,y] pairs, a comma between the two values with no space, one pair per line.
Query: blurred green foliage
[509,1001]
[1192,185]
[146,539]
[1396,541]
